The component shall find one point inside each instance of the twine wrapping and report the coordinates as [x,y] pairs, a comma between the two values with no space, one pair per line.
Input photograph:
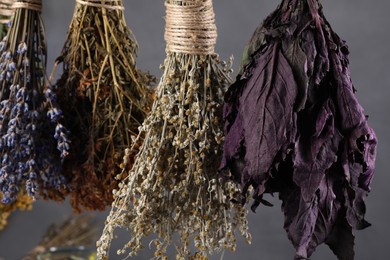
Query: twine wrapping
[107,4]
[190,27]
[34,5]
[6,11]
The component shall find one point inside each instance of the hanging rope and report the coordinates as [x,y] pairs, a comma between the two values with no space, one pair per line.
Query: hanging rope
[35,5]
[108,4]
[190,28]
[5,11]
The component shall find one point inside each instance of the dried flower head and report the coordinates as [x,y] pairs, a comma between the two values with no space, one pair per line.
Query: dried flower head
[22,202]
[104,98]
[31,146]
[173,190]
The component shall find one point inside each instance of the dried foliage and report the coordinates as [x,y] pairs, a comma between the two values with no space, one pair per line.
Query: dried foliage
[295,126]
[104,98]
[22,202]
[32,140]
[73,232]
[173,192]
[173,186]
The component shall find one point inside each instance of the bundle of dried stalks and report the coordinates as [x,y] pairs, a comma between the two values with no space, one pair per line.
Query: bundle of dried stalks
[104,98]
[73,232]
[32,140]
[173,190]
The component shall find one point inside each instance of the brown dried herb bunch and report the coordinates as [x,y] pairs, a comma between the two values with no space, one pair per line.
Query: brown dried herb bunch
[104,98]
[173,190]
[6,12]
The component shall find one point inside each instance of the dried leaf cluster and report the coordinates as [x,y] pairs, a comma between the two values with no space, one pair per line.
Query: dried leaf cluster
[294,126]
[104,98]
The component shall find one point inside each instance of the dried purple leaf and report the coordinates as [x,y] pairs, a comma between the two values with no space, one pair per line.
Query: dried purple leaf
[312,144]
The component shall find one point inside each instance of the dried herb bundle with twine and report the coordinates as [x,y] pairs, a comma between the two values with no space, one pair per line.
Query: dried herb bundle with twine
[295,126]
[104,98]
[173,186]
[32,141]
[6,11]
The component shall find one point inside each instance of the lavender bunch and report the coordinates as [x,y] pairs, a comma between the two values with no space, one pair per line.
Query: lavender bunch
[32,140]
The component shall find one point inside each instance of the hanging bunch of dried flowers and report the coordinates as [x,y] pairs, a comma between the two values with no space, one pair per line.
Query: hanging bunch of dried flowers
[32,140]
[77,232]
[173,187]
[22,202]
[294,126]
[104,98]
[6,12]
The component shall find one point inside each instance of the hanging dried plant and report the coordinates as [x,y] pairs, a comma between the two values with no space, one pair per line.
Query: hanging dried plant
[32,141]
[173,186]
[74,232]
[22,202]
[104,98]
[294,126]
[6,12]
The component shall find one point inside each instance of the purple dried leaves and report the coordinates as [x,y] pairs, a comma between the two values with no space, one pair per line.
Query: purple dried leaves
[294,126]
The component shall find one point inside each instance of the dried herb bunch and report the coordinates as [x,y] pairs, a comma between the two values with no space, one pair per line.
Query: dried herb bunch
[74,231]
[104,98]
[22,202]
[6,12]
[173,190]
[294,126]
[32,140]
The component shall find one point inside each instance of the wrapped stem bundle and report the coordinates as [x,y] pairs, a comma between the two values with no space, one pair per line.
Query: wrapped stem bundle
[294,126]
[32,140]
[6,12]
[104,98]
[173,187]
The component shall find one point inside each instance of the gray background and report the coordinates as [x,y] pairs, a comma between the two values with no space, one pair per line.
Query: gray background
[363,24]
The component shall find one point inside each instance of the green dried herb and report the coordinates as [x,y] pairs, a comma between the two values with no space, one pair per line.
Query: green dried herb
[104,98]
[173,187]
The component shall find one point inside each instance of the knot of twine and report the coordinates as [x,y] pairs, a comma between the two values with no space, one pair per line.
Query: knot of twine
[6,10]
[107,4]
[34,5]
[190,27]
